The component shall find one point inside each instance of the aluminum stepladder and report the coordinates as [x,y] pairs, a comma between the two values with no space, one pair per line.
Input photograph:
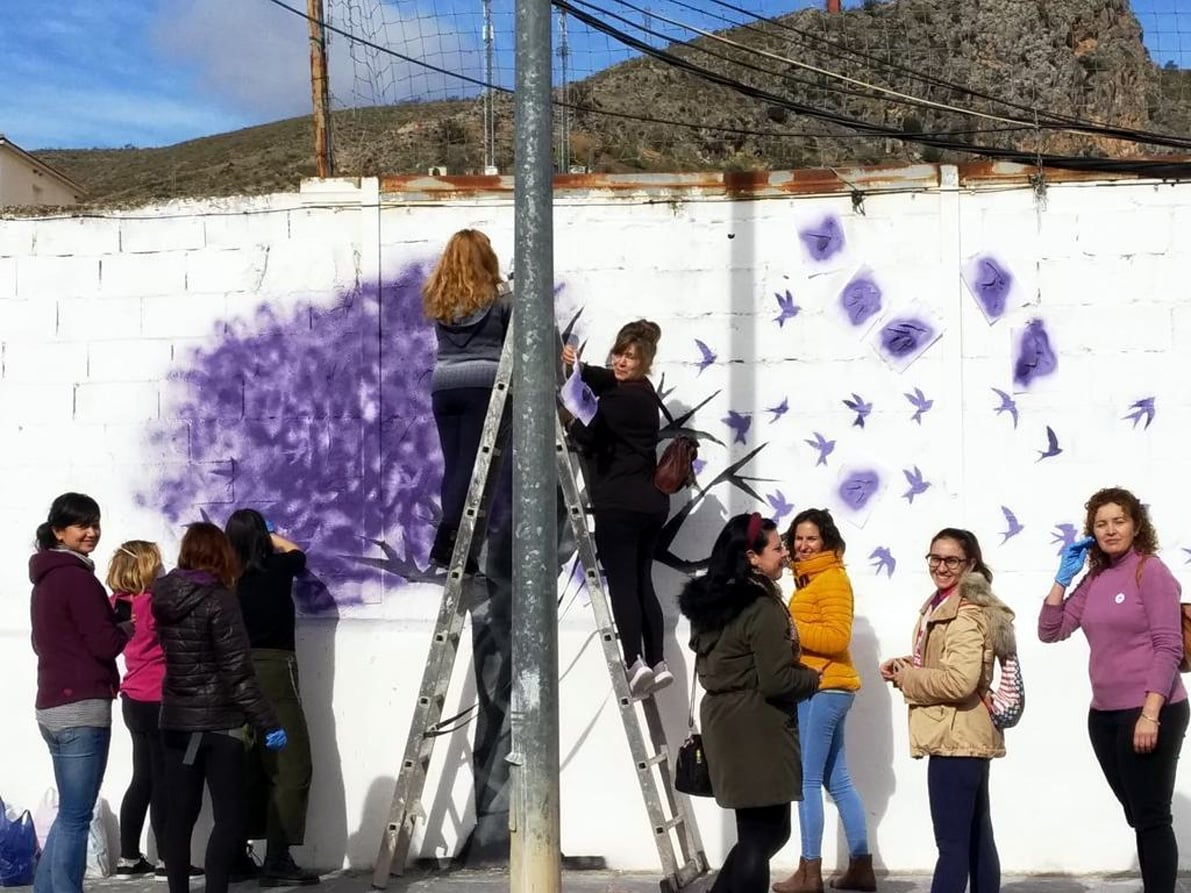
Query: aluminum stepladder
[669,811]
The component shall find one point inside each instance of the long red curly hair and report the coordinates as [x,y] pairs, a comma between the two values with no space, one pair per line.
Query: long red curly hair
[466,278]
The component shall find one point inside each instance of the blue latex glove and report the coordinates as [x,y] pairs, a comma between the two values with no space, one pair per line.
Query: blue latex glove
[269,526]
[1071,562]
[276,739]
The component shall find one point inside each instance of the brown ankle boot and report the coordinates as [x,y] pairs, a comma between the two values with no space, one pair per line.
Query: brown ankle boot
[859,875]
[807,879]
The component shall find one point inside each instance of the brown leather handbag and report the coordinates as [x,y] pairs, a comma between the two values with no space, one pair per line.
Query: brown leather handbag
[676,467]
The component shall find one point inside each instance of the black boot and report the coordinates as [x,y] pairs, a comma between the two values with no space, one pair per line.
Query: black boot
[444,545]
[244,867]
[280,870]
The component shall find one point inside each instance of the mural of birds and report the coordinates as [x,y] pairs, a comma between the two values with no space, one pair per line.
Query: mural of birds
[780,410]
[918,486]
[1063,535]
[1014,527]
[777,502]
[1142,409]
[706,355]
[882,559]
[823,445]
[787,309]
[1008,404]
[860,407]
[920,403]
[1052,445]
[739,422]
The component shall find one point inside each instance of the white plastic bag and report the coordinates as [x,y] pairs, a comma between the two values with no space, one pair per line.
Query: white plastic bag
[44,815]
[99,859]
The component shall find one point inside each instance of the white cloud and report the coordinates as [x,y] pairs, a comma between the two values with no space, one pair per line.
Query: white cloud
[256,55]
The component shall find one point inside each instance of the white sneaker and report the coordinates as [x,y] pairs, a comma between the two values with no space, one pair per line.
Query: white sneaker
[640,678]
[661,676]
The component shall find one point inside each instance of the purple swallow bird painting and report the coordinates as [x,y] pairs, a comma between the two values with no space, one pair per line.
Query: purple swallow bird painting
[1036,357]
[787,309]
[823,445]
[918,485]
[779,505]
[858,488]
[1052,445]
[823,240]
[706,355]
[1188,551]
[1142,409]
[697,466]
[1008,404]
[780,410]
[904,337]
[920,403]
[860,299]
[739,422]
[1013,526]
[862,409]
[882,560]
[1063,536]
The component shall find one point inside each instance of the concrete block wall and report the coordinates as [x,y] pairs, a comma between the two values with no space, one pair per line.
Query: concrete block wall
[269,352]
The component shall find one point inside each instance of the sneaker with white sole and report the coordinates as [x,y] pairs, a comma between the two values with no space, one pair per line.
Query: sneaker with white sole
[640,678]
[661,676]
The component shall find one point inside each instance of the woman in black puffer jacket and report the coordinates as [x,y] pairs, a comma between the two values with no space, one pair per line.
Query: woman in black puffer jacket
[209,695]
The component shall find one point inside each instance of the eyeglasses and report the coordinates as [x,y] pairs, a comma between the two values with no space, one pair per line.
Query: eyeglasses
[951,562]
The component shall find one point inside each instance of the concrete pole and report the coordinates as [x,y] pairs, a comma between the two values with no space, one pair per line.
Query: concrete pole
[319,88]
[535,859]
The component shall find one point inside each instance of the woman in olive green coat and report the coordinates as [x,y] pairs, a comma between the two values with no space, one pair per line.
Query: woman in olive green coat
[746,657]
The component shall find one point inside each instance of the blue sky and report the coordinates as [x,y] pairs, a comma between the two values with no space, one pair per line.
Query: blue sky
[82,73]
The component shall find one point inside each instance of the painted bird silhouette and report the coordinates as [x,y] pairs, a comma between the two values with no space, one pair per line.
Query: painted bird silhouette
[697,466]
[706,355]
[858,406]
[787,309]
[882,559]
[1014,527]
[739,422]
[920,403]
[780,410]
[1063,536]
[777,502]
[1142,409]
[823,445]
[1188,551]
[918,486]
[1008,404]
[1052,445]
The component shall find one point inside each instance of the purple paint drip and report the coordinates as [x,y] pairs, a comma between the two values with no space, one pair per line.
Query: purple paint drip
[861,300]
[858,488]
[1035,356]
[901,337]
[823,241]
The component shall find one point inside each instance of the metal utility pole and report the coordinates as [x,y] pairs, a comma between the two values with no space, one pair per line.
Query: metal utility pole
[489,92]
[564,113]
[535,863]
[319,88]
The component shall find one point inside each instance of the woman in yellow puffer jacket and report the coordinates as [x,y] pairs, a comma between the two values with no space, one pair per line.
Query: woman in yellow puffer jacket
[822,610]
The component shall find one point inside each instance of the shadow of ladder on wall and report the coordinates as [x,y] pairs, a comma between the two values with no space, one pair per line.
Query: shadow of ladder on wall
[669,811]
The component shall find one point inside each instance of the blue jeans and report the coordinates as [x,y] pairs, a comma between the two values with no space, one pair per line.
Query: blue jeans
[821,735]
[80,756]
[958,788]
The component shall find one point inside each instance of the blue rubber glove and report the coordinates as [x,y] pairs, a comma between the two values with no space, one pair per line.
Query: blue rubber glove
[269,526]
[1071,562]
[276,739]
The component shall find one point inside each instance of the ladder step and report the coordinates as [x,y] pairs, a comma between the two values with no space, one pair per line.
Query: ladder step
[656,760]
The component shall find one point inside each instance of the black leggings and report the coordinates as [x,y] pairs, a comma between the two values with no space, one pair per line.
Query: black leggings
[760,832]
[459,414]
[626,542]
[146,792]
[1144,785]
[219,761]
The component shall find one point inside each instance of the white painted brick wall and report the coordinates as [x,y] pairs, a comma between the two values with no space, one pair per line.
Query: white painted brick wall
[101,320]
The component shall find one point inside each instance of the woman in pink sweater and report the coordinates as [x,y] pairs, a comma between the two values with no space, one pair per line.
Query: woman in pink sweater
[1128,608]
[131,573]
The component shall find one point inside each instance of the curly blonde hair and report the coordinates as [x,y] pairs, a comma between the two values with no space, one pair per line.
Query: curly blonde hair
[1145,538]
[134,566]
[466,278]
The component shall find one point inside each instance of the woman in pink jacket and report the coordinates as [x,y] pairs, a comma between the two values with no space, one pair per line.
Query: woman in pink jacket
[131,573]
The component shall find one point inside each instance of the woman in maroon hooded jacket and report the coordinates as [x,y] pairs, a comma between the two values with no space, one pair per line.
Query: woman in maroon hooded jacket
[76,638]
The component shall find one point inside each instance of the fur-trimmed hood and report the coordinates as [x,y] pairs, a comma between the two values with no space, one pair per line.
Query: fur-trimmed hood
[710,606]
[976,590]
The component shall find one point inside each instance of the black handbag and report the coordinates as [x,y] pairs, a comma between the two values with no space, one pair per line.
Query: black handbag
[691,773]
